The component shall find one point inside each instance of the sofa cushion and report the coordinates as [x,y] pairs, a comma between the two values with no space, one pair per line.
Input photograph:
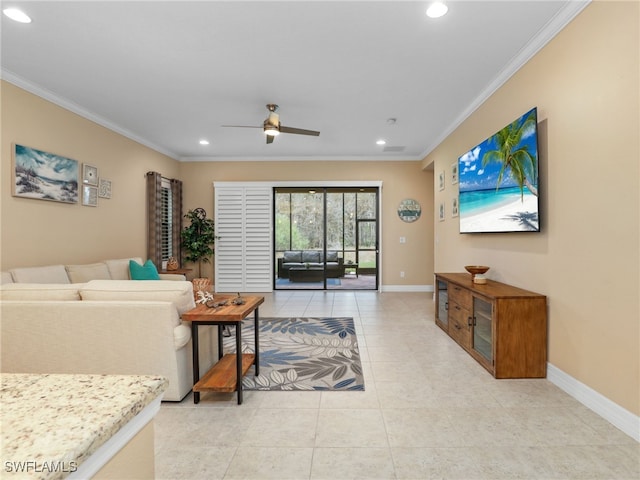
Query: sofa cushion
[332,256]
[40,291]
[179,293]
[48,274]
[119,267]
[85,273]
[310,256]
[5,277]
[148,271]
[292,256]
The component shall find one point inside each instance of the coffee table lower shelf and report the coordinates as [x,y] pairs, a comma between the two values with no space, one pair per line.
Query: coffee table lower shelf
[222,376]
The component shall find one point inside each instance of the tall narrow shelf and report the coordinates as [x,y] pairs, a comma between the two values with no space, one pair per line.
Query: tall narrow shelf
[503,327]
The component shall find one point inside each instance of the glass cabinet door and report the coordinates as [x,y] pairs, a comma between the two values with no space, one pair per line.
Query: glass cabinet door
[482,339]
[443,303]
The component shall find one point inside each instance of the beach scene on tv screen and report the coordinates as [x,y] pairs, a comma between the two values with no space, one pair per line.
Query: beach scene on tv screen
[498,181]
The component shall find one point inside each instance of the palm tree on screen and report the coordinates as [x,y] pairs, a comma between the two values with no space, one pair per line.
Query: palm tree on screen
[515,156]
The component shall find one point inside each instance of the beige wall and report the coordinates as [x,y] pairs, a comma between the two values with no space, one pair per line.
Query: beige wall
[400,180]
[585,84]
[38,232]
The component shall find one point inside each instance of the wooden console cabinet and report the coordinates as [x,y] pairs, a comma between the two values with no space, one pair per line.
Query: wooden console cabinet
[503,327]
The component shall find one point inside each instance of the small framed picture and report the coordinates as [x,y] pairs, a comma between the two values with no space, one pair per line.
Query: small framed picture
[454,173]
[454,207]
[104,188]
[441,177]
[89,196]
[441,212]
[89,175]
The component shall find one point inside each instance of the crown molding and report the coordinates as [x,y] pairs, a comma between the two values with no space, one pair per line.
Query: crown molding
[78,110]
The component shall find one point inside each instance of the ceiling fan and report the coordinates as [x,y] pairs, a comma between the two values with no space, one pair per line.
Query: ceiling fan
[272,127]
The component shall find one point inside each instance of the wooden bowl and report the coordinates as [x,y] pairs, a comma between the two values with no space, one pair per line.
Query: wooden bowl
[475,270]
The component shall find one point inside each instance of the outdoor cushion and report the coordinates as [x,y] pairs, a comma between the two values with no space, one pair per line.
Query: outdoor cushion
[40,291]
[332,256]
[310,256]
[294,256]
[85,273]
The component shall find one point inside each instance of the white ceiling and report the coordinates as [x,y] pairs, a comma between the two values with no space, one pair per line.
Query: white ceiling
[170,73]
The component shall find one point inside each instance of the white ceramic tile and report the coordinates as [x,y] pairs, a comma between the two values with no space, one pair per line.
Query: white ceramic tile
[429,410]
[282,428]
[264,463]
[350,428]
[352,463]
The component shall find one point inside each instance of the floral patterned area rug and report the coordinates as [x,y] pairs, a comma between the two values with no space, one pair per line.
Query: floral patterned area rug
[302,354]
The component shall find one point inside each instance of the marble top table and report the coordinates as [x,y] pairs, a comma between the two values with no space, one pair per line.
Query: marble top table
[60,425]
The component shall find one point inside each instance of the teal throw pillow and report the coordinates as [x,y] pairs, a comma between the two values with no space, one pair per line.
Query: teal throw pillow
[148,271]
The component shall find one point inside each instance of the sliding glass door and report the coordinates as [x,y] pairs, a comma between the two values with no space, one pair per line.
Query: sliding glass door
[326,238]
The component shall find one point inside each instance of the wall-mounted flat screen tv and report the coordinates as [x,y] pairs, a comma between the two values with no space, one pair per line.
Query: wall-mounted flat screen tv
[498,180]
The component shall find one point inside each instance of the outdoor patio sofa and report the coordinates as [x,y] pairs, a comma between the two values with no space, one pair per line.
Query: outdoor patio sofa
[334,267]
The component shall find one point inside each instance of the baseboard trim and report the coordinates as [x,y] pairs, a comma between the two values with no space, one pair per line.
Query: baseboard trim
[406,288]
[618,416]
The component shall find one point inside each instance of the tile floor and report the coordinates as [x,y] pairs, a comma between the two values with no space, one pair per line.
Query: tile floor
[429,411]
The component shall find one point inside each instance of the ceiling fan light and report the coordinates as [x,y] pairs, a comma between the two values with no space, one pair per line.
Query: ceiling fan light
[271,130]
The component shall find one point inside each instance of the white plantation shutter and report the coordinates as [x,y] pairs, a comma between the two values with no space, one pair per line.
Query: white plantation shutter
[243,259]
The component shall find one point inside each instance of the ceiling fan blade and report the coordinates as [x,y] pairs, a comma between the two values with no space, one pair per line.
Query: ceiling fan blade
[298,131]
[240,126]
[270,138]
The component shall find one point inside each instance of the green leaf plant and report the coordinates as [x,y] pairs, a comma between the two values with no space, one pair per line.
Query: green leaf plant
[198,238]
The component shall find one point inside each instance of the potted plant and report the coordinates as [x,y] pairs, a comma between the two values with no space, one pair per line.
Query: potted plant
[198,238]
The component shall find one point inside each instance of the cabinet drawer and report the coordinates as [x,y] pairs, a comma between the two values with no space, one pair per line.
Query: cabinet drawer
[459,324]
[460,295]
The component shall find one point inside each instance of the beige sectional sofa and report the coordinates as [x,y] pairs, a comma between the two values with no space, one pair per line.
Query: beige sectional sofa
[115,269]
[100,326]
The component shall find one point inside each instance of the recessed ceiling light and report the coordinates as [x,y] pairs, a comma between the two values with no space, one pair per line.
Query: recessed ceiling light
[17,15]
[437,10]
[381,142]
[204,142]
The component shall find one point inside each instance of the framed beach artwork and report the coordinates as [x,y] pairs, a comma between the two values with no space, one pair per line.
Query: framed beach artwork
[441,180]
[498,180]
[454,173]
[454,207]
[44,176]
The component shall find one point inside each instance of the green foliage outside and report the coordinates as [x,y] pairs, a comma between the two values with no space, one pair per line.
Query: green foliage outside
[300,223]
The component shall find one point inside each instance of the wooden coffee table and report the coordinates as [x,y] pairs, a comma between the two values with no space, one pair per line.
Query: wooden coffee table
[226,375]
